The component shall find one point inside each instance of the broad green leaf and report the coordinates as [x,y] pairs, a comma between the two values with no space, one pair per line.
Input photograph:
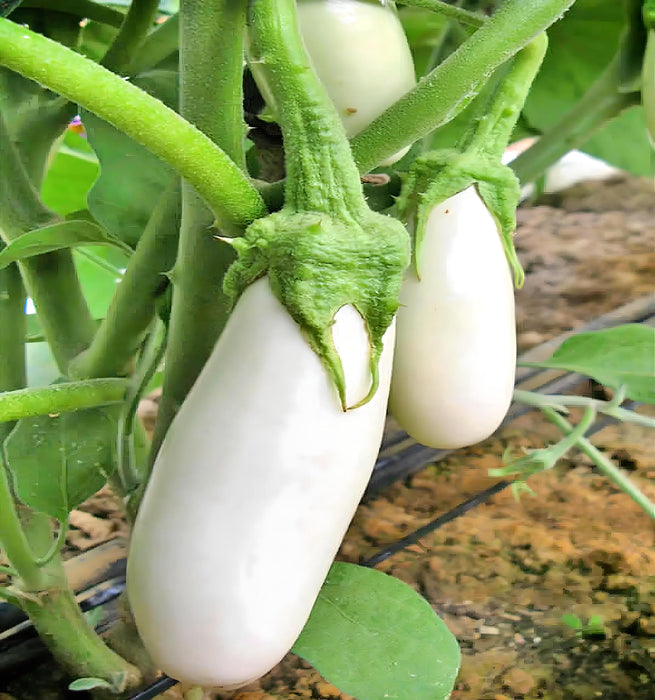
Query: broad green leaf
[67,234]
[581,45]
[131,178]
[377,639]
[57,462]
[6,6]
[73,171]
[621,356]
[89,684]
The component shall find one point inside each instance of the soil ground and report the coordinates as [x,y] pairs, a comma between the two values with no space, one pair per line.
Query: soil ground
[503,575]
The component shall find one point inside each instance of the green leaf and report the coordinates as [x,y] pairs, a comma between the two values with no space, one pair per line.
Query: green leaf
[6,6]
[73,171]
[376,638]
[89,684]
[621,356]
[67,234]
[581,45]
[572,621]
[131,178]
[99,270]
[57,462]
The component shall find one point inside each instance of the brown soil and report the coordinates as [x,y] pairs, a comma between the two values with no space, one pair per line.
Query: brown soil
[503,575]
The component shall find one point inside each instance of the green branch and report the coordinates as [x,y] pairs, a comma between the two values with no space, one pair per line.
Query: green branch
[472,19]
[211,75]
[138,21]
[60,398]
[605,466]
[561,402]
[148,121]
[449,88]
[161,43]
[13,541]
[50,279]
[133,306]
[13,371]
[61,624]
[80,8]
[602,102]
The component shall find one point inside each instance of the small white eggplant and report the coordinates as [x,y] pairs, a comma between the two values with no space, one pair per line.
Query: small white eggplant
[251,494]
[361,55]
[455,359]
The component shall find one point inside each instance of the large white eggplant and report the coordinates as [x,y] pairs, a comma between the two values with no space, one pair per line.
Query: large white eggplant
[251,494]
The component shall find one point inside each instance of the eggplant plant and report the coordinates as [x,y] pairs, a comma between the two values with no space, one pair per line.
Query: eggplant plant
[142,246]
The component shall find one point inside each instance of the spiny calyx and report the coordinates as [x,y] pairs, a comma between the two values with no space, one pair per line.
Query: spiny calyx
[317,263]
[438,175]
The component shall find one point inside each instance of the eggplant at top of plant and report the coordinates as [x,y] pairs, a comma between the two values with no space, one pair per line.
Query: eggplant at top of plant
[263,466]
[361,55]
[455,354]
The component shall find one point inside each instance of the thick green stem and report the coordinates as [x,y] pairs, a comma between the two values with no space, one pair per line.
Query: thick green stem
[161,43]
[13,541]
[134,304]
[472,19]
[142,117]
[138,21]
[74,644]
[61,398]
[80,8]
[602,102]
[452,84]
[13,371]
[493,129]
[604,465]
[211,74]
[50,279]
[321,174]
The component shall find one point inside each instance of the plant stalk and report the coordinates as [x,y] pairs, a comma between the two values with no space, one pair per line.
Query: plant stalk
[144,118]
[316,147]
[81,8]
[13,541]
[61,398]
[61,624]
[602,102]
[162,42]
[561,402]
[51,278]
[211,77]
[13,370]
[450,87]
[458,14]
[604,465]
[134,304]
[139,19]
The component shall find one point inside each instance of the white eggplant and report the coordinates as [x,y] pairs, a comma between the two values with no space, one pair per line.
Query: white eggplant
[455,358]
[251,494]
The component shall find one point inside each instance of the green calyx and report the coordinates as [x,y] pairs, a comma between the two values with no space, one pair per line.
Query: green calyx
[438,175]
[318,263]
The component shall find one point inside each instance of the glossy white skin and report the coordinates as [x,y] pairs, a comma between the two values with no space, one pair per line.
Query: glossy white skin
[455,358]
[251,494]
[360,53]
